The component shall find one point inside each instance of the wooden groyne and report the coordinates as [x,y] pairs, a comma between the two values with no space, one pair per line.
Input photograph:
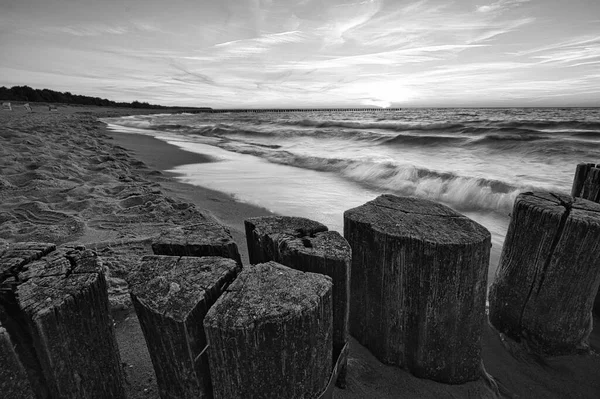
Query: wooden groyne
[408,280]
[278,110]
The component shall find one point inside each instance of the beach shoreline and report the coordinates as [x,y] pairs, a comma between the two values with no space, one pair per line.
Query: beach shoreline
[118,195]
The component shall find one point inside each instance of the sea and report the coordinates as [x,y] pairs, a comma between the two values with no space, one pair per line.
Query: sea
[319,164]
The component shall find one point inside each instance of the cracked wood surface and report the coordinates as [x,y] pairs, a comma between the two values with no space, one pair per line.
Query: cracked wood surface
[549,273]
[262,248]
[54,309]
[270,334]
[171,296]
[208,238]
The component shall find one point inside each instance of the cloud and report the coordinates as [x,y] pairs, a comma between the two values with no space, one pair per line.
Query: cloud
[99,29]
[582,49]
[88,30]
[192,77]
[258,45]
[500,6]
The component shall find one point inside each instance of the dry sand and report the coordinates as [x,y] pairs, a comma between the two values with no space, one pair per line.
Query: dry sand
[64,178]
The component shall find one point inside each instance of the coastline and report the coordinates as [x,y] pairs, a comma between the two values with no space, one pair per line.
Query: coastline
[75,152]
[163,156]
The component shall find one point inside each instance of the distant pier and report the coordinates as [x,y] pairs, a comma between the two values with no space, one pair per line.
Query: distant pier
[262,110]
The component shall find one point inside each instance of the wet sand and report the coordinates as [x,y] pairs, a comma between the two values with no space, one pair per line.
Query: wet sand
[65,178]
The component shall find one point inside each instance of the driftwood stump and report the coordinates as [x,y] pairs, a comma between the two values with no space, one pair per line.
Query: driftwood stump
[261,247]
[171,296]
[294,242]
[419,276]
[203,239]
[269,335]
[54,309]
[549,272]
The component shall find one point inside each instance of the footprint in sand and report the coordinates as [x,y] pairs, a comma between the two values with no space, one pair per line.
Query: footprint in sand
[34,220]
[39,213]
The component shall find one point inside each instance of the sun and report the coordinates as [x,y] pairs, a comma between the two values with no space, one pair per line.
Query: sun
[384,94]
[378,103]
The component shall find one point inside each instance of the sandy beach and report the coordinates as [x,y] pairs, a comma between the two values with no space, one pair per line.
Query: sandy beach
[65,178]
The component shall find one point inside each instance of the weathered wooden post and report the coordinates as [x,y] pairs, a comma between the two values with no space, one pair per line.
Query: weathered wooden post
[171,296]
[54,310]
[208,238]
[269,335]
[302,244]
[13,376]
[549,273]
[261,247]
[586,184]
[418,287]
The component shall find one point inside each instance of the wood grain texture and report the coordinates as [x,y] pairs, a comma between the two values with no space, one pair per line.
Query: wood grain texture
[65,301]
[586,184]
[13,377]
[270,334]
[17,335]
[261,247]
[549,273]
[171,296]
[325,253]
[203,239]
[581,173]
[591,185]
[280,239]
[54,313]
[418,286]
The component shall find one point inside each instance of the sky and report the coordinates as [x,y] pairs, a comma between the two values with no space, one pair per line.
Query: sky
[307,53]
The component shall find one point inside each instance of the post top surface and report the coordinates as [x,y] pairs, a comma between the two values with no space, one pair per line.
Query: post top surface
[292,225]
[174,285]
[267,292]
[198,233]
[420,219]
[579,208]
[326,244]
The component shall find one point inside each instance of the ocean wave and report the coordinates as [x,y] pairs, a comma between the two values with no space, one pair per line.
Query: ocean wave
[416,140]
[587,134]
[549,124]
[394,126]
[492,138]
[461,192]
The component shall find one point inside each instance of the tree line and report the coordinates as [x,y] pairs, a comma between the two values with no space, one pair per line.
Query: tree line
[26,93]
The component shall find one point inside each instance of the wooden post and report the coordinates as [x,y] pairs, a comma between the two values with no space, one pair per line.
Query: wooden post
[326,252]
[581,174]
[171,296]
[203,239]
[13,376]
[259,230]
[270,334]
[418,287]
[586,184]
[55,312]
[548,273]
